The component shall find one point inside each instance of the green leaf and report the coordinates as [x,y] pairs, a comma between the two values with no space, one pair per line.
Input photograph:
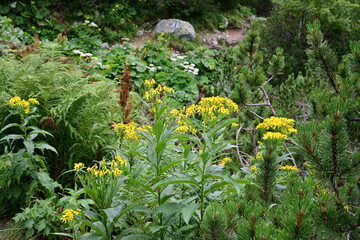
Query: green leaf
[113,213]
[188,211]
[135,237]
[47,181]
[12,137]
[168,208]
[44,145]
[41,225]
[10,126]
[90,236]
[29,147]
[167,166]
[174,180]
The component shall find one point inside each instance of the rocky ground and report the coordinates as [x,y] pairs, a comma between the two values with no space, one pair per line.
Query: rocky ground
[214,39]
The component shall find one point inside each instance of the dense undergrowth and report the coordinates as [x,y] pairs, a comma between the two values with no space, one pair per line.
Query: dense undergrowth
[175,140]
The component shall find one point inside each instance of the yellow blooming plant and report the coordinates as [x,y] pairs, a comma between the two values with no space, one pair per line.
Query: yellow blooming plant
[288,168]
[22,105]
[278,124]
[225,160]
[128,131]
[68,214]
[208,108]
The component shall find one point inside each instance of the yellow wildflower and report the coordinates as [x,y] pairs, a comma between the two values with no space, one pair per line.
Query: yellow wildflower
[288,168]
[120,160]
[33,101]
[150,83]
[78,166]
[253,168]
[278,124]
[225,160]
[346,207]
[117,172]
[274,135]
[33,2]
[68,214]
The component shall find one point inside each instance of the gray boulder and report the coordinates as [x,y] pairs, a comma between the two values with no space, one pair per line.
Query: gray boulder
[176,27]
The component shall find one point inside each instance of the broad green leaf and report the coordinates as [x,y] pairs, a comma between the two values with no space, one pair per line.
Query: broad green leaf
[176,180]
[149,189]
[44,145]
[47,181]
[112,213]
[135,237]
[169,165]
[11,137]
[10,126]
[91,236]
[188,211]
[168,208]
[29,147]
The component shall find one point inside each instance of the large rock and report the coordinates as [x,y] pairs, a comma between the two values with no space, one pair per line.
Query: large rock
[176,27]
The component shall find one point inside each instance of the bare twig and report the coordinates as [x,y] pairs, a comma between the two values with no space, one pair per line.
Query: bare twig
[256,115]
[242,161]
[268,101]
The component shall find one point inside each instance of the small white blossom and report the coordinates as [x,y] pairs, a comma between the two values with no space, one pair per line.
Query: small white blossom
[173,59]
[152,69]
[87,21]
[191,68]
[77,52]
[88,54]
[186,63]
[159,67]
[180,57]
[93,24]
[151,65]
[193,65]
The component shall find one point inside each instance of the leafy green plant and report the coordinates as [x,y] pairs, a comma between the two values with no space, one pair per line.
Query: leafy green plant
[41,218]
[26,168]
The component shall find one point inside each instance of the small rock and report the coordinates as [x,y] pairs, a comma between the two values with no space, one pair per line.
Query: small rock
[105,45]
[215,42]
[177,27]
[217,31]
[226,22]
[140,33]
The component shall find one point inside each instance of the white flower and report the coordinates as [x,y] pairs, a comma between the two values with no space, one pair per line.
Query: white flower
[173,59]
[151,65]
[88,54]
[186,63]
[152,69]
[87,21]
[93,24]
[191,68]
[83,55]
[193,65]
[196,70]
[180,57]
[77,52]
[195,73]
[159,67]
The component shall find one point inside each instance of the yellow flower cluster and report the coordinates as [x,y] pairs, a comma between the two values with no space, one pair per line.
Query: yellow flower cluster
[225,160]
[155,92]
[259,156]
[278,124]
[253,168]
[68,214]
[111,168]
[274,135]
[288,168]
[78,166]
[209,107]
[22,103]
[129,130]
